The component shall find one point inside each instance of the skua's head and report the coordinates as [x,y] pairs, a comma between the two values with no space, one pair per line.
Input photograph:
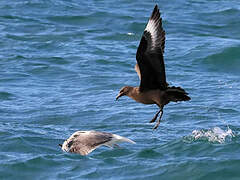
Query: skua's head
[124,92]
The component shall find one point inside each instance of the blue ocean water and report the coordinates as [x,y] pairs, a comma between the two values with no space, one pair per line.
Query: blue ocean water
[62,64]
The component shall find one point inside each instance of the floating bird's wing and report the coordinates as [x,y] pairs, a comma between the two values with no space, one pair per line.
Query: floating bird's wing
[150,54]
[87,141]
[84,142]
[81,148]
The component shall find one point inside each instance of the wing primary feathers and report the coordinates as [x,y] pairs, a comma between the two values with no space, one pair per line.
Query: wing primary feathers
[150,54]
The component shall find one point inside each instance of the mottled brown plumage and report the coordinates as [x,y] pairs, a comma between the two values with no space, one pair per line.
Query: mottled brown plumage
[150,68]
[84,142]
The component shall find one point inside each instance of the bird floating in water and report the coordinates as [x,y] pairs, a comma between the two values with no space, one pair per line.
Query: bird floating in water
[150,68]
[84,142]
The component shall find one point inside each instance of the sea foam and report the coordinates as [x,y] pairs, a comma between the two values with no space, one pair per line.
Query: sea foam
[216,135]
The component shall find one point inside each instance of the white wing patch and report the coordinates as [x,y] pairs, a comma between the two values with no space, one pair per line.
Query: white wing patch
[152,29]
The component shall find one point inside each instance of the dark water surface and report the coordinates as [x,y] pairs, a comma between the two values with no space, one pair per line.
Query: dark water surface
[63,62]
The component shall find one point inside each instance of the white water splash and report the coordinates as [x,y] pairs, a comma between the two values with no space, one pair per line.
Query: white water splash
[215,134]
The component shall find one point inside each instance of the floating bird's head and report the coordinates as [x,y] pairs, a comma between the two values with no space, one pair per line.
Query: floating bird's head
[124,91]
[64,146]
